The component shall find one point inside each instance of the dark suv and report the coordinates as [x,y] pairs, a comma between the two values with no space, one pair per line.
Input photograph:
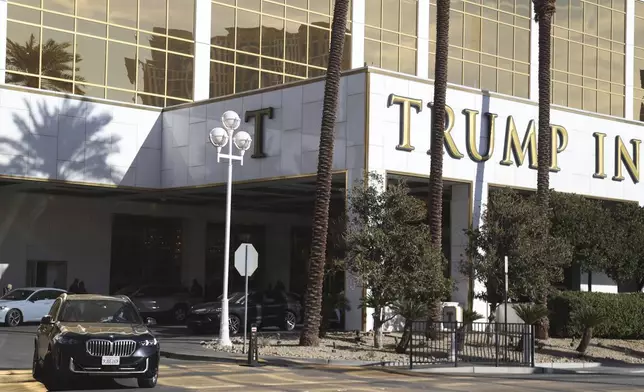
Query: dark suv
[94,335]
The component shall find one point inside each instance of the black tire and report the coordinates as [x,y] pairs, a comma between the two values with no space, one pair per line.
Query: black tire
[234,325]
[148,382]
[180,314]
[36,370]
[13,318]
[54,379]
[290,321]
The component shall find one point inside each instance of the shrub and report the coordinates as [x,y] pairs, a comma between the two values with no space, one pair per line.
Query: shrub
[623,315]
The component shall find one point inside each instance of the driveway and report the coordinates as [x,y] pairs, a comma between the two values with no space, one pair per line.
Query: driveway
[16,344]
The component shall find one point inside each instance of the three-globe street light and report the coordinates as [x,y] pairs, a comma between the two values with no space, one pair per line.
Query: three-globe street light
[219,137]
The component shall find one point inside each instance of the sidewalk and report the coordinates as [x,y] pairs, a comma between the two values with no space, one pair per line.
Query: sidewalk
[195,352]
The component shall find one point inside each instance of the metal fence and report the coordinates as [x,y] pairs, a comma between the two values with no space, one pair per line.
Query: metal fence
[454,344]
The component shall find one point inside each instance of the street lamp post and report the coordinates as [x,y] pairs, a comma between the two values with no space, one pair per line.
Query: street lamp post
[219,137]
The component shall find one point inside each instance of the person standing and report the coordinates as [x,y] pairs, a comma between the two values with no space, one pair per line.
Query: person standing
[73,289]
[7,289]
[81,288]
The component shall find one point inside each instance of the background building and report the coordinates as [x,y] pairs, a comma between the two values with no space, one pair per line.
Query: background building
[105,106]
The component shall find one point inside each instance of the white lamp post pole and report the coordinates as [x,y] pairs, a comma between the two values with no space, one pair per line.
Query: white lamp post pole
[219,137]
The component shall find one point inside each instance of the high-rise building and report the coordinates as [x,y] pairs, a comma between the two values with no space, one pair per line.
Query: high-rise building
[106,105]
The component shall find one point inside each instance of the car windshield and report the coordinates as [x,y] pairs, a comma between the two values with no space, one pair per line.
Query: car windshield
[129,290]
[99,311]
[17,295]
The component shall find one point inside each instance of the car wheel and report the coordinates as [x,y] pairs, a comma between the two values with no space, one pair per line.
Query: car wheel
[180,313]
[54,379]
[13,318]
[234,324]
[150,382]
[289,321]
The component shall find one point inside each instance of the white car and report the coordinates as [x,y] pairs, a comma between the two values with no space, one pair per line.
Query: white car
[27,305]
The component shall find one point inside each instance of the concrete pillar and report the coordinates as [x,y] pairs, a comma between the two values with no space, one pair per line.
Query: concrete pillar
[201,76]
[480,195]
[3,39]
[630,60]
[422,49]
[193,264]
[460,221]
[357,33]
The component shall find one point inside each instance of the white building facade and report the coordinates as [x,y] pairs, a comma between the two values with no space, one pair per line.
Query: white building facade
[72,160]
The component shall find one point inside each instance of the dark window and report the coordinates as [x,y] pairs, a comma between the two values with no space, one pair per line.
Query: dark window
[17,295]
[45,295]
[54,308]
[153,291]
[93,311]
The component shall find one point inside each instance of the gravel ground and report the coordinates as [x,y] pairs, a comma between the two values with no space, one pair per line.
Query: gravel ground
[336,346]
[609,351]
[343,346]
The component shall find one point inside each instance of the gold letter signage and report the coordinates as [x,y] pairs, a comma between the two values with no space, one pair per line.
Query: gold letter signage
[258,115]
[480,147]
[405,118]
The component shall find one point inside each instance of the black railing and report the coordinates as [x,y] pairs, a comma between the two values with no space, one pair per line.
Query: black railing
[454,344]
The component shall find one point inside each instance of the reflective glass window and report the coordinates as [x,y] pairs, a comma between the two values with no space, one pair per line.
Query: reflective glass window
[488,45]
[638,75]
[257,44]
[588,55]
[127,50]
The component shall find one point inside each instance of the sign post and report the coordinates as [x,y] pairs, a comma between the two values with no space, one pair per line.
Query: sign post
[246,263]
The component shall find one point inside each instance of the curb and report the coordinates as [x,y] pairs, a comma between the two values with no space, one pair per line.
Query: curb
[589,368]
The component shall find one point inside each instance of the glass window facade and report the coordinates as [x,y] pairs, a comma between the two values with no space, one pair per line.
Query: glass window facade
[588,57]
[137,51]
[488,45]
[263,43]
[391,35]
[638,72]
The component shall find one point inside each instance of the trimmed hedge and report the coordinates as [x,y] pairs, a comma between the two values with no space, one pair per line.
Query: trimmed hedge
[624,314]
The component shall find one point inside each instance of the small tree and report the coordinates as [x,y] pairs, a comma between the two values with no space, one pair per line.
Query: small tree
[514,226]
[583,223]
[584,321]
[626,261]
[388,247]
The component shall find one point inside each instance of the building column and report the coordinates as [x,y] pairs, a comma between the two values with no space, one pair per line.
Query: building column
[3,39]
[460,221]
[193,263]
[534,56]
[201,74]
[630,60]
[480,196]
[422,48]
[353,290]
[357,33]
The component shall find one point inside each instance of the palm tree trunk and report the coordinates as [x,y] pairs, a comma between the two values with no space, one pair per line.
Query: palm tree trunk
[543,12]
[313,296]
[437,139]
[585,340]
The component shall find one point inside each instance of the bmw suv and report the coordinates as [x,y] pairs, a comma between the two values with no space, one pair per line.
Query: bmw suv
[94,335]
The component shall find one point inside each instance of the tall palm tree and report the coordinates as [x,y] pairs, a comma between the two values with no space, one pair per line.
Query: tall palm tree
[437,134]
[57,60]
[543,12]
[313,296]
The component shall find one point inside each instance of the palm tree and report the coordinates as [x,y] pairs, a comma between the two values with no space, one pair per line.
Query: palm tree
[543,12]
[437,136]
[57,58]
[313,296]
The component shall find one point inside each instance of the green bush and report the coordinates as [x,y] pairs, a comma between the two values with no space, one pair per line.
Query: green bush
[624,314]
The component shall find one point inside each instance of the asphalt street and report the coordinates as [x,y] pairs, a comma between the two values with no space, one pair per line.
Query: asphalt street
[16,348]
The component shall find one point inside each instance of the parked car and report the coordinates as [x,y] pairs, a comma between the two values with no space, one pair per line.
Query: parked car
[26,305]
[265,309]
[161,302]
[94,335]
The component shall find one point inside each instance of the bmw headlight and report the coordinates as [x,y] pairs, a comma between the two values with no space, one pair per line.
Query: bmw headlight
[149,342]
[62,339]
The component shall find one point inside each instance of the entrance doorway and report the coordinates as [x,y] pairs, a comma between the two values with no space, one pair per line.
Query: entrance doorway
[47,274]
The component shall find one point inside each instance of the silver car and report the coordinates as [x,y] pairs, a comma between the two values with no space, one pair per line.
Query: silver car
[160,301]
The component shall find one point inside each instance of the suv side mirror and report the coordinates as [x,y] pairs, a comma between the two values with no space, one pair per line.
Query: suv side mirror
[45,320]
[150,321]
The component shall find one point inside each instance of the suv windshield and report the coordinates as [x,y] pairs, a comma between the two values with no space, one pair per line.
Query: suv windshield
[99,311]
[17,295]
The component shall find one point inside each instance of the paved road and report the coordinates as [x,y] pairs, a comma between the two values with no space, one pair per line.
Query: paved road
[200,376]
[16,350]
